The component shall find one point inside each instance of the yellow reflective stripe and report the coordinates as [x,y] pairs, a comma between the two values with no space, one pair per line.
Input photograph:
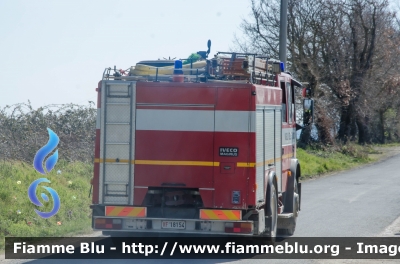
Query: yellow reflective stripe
[116,211]
[230,215]
[260,163]
[246,164]
[135,211]
[289,155]
[125,211]
[211,214]
[193,163]
[286,156]
[270,161]
[176,162]
[163,162]
[182,163]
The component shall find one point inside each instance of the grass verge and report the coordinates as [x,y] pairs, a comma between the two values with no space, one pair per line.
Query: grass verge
[72,183]
[316,161]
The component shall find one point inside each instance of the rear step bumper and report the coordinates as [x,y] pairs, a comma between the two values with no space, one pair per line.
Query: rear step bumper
[167,225]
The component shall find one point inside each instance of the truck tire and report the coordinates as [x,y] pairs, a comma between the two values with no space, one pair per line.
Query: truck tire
[271,222]
[296,206]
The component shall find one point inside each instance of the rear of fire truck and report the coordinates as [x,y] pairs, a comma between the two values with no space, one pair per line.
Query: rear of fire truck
[176,151]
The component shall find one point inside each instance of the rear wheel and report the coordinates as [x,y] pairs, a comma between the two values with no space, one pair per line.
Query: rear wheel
[296,210]
[271,221]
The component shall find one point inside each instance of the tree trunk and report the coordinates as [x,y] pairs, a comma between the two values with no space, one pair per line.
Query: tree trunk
[323,125]
[381,127]
[345,123]
[363,130]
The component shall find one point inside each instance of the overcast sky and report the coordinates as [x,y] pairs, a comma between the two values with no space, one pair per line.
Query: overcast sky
[55,52]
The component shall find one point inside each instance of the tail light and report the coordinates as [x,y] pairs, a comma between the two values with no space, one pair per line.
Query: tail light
[108,223]
[238,227]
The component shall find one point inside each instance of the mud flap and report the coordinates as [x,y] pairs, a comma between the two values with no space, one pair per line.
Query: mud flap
[261,221]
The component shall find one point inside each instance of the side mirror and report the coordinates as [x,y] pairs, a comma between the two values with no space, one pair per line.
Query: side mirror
[306,92]
[308,115]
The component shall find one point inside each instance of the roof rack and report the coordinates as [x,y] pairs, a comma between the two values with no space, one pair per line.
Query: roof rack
[190,75]
[255,67]
[252,67]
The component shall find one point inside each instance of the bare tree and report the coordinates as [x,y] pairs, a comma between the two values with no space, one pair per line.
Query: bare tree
[336,46]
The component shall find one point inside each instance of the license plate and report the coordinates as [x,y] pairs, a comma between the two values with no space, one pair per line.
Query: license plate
[130,223]
[173,224]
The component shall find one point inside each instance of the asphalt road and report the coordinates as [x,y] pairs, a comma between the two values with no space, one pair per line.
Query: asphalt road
[357,203]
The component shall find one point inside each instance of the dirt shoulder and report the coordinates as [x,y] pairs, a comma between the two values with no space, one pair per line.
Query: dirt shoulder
[382,153]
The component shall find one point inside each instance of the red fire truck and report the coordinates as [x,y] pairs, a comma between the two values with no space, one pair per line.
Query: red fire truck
[205,147]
